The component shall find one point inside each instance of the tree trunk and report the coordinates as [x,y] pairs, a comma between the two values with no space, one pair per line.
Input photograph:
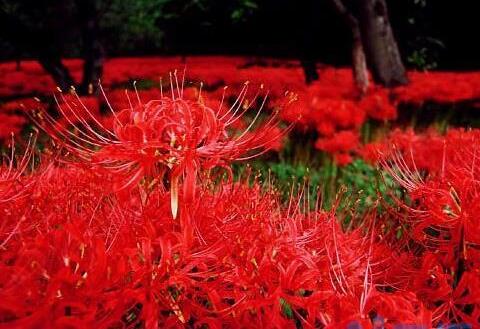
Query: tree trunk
[379,43]
[93,52]
[307,16]
[359,63]
[309,69]
[59,72]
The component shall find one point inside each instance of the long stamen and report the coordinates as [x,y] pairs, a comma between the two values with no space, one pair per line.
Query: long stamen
[136,92]
[171,86]
[109,105]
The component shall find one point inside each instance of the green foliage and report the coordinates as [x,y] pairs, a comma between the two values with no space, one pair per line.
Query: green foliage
[419,58]
[299,174]
[134,23]
[243,10]
[125,24]
[286,309]
[289,178]
[366,185]
[425,57]
[208,12]
[424,49]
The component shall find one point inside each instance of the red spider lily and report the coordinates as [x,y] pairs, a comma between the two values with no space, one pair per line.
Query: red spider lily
[11,170]
[260,248]
[99,258]
[343,141]
[439,86]
[340,145]
[444,198]
[168,136]
[14,186]
[78,250]
[378,106]
[446,192]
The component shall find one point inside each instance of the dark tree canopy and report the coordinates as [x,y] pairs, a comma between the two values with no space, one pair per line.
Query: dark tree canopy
[312,32]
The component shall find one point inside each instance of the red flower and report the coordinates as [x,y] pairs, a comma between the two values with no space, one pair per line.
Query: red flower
[343,141]
[342,159]
[169,136]
[378,106]
[12,167]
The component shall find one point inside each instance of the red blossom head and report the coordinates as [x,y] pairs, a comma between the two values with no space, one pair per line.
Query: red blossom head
[170,137]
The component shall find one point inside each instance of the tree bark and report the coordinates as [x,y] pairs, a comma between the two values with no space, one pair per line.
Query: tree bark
[59,72]
[306,15]
[359,63]
[383,55]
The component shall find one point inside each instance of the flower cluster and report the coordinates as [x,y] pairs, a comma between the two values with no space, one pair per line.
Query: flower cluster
[439,174]
[75,253]
[131,222]
[329,106]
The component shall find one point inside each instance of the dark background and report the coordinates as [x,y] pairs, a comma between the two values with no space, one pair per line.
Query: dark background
[432,34]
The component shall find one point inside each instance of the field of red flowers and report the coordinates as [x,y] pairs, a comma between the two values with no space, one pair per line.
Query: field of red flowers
[128,210]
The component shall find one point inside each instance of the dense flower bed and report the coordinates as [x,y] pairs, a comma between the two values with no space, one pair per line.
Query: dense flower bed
[327,107]
[127,212]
